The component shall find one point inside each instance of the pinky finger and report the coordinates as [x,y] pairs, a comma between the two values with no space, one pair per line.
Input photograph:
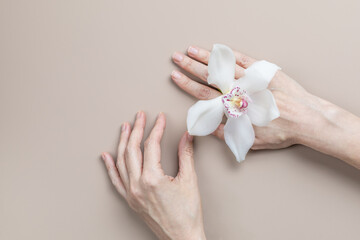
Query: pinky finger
[113,173]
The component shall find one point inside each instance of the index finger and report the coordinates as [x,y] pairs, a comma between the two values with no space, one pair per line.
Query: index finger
[203,55]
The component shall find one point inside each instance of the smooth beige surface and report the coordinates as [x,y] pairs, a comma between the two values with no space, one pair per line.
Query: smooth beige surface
[72,71]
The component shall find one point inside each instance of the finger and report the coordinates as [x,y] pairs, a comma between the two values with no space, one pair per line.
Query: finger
[219,132]
[113,173]
[191,66]
[133,155]
[200,54]
[203,55]
[152,149]
[243,60]
[120,163]
[258,144]
[194,88]
[186,159]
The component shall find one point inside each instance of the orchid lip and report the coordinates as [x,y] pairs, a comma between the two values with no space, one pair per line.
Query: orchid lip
[236,102]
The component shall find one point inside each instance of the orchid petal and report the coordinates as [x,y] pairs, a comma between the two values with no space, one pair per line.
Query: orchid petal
[262,109]
[257,77]
[221,67]
[205,116]
[239,136]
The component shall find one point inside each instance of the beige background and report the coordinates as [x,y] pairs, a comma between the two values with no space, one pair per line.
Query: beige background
[72,71]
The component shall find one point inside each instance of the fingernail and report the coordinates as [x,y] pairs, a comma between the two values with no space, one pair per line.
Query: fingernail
[177,57]
[138,115]
[175,74]
[190,137]
[103,156]
[123,127]
[193,50]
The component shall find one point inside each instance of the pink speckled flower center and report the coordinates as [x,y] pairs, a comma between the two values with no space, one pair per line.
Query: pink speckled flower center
[236,102]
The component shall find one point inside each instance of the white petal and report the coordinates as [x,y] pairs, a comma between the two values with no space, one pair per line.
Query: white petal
[239,136]
[205,116]
[262,109]
[221,67]
[258,76]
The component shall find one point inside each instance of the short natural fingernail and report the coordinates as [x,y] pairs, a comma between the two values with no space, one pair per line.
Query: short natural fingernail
[193,50]
[190,137]
[123,127]
[176,75]
[138,115]
[103,156]
[177,57]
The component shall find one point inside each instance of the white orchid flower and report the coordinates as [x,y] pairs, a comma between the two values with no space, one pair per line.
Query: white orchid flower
[245,101]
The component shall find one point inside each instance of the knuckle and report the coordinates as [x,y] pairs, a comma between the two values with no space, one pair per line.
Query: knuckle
[134,193]
[281,138]
[187,63]
[204,93]
[150,142]
[187,83]
[150,181]
[244,60]
[238,72]
[130,147]
[206,56]
[147,142]
[188,151]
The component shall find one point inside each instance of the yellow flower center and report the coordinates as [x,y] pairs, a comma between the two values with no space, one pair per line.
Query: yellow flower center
[238,102]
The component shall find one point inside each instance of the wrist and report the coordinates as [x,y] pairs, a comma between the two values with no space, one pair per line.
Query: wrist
[329,129]
[316,118]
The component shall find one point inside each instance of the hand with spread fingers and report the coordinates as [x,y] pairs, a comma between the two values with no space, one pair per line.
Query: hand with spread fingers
[304,118]
[170,206]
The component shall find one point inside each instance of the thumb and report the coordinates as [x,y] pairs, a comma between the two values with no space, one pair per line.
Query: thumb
[186,152]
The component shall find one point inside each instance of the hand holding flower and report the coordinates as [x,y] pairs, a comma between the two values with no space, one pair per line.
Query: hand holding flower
[304,118]
[291,99]
[244,101]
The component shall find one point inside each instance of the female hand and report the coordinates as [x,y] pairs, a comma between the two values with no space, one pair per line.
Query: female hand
[304,118]
[292,100]
[170,206]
